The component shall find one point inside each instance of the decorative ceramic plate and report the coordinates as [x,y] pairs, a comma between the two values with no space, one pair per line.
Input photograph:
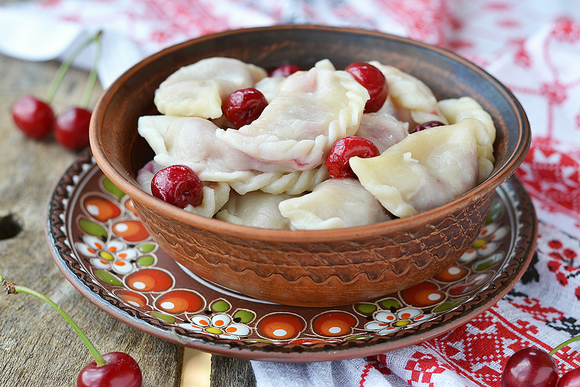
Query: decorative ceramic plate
[103,249]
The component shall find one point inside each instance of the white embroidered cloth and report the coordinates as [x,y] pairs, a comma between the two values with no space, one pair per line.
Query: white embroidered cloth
[533,47]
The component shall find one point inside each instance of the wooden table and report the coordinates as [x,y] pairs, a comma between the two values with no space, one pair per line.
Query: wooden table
[38,347]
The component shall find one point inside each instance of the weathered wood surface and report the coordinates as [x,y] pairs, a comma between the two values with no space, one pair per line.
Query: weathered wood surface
[230,372]
[38,347]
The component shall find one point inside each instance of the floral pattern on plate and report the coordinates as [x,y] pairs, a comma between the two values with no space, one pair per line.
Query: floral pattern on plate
[101,246]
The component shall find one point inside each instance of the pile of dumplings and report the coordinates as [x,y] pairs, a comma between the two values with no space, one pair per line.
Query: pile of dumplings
[271,173]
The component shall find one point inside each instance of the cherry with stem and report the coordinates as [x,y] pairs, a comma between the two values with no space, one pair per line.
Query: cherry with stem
[34,116]
[533,367]
[72,126]
[115,369]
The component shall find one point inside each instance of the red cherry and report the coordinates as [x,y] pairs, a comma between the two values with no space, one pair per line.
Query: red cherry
[178,185]
[570,379]
[72,128]
[33,116]
[530,367]
[284,70]
[121,370]
[244,106]
[427,125]
[373,80]
[345,148]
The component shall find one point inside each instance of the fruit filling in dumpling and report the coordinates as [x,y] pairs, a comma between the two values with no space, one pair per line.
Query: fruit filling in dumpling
[311,110]
[198,90]
[426,169]
[334,203]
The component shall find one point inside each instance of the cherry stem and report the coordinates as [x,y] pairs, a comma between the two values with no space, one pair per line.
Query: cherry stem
[65,66]
[565,343]
[12,288]
[93,75]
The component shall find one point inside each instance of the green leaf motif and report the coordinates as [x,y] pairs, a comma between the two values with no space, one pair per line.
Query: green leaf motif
[448,305]
[107,277]
[147,247]
[93,228]
[112,188]
[390,303]
[220,306]
[245,316]
[366,308]
[164,317]
[146,260]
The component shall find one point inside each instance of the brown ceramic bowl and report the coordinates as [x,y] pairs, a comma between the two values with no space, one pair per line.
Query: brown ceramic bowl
[308,268]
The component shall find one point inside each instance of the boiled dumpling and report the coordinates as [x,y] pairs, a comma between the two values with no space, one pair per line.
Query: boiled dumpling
[198,90]
[382,129]
[214,195]
[311,111]
[457,109]
[334,203]
[426,169]
[414,102]
[192,141]
[255,209]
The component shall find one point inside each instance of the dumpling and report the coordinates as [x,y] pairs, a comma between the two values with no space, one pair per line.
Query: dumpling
[255,209]
[456,110]
[414,102]
[198,90]
[192,141]
[334,203]
[310,112]
[215,195]
[382,129]
[270,86]
[425,170]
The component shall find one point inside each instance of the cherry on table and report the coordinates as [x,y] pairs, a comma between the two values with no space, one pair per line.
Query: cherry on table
[115,369]
[570,379]
[178,185]
[121,370]
[72,128]
[33,116]
[243,106]
[373,80]
[342,150]
[530,367]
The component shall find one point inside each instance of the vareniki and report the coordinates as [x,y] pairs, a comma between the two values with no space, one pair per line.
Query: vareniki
[274,171]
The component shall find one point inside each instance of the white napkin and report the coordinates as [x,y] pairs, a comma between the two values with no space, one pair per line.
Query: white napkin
[133,29]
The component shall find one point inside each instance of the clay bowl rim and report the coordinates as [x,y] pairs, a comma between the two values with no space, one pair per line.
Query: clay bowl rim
[124,180]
